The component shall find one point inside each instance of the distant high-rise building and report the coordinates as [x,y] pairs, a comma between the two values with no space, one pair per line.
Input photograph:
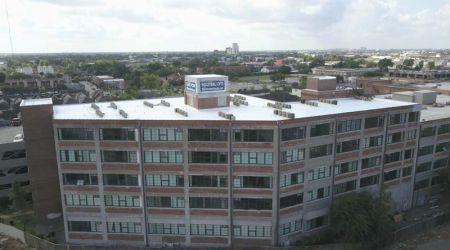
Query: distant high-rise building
[229,50]
[235,50]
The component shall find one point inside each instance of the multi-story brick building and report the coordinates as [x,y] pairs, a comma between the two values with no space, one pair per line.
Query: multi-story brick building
[214,169]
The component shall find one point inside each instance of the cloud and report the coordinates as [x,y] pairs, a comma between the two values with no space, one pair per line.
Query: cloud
[203,25]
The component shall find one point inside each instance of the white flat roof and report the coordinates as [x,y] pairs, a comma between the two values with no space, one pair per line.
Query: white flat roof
[257,110]
[436,113]
[205,76]
[33,102]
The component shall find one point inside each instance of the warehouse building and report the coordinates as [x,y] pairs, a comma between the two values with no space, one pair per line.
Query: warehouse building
[220,169]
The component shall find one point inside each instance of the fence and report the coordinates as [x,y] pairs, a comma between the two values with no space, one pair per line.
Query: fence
[421,226]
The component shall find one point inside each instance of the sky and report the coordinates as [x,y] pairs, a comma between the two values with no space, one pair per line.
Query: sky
[41,26]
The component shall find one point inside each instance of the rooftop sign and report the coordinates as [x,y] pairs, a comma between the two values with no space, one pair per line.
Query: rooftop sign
[191,86]
[212,86]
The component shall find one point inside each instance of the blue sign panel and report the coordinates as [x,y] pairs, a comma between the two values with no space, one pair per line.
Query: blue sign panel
[191,86]
[209,86]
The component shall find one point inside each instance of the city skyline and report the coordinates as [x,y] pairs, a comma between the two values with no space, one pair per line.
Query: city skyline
[114,26]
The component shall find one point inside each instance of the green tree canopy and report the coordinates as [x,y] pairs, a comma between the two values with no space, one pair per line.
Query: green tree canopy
[384,63]
[2,77]
[362,218]
[303,68]
[284,70]
[408,63]
[150,81]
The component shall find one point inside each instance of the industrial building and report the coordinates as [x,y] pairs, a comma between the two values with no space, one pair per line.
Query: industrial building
[219,169]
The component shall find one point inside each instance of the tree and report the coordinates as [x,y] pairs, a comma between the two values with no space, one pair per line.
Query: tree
[277,77]
[2,77]
[303,68]
[316,62]
[150,81]
[431,65]
[384,63]
[362,218]
[284,70]
[408,63]
[419,66]
[19,202]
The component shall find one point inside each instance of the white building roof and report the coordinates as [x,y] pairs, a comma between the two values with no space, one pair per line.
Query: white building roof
[205,76]
[33,102]
[435,113]
[257,110]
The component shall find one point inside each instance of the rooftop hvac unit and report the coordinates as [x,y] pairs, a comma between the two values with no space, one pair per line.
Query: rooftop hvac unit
[227,116]
[95,106]
[123,113]
[181,112]
[113,105]
[236,103]
[284,113]
[243,102]
[148,104]
[239,97]
[165,103]
[310,103]
[99,113]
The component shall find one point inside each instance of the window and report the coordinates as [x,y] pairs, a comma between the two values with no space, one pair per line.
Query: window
[75,134]
[82,200]
[409,153]
[252,182]
[319,173]
[319,193]
[316,222]
[423,167]
[373,141]
[209,229]
[208,202]
[426,150]
[395,137]
[163,134]
[371,162]
[374,122]
[119,156]
[291,179]
[319,151]
[410,135]
[77,155]
[80,179]
[118,134]
[440,163]
[207,135]
[252,204]
[258,158]
[393,157]
[296,133]
[292,155]
[165,201]
[348,126]
[444,129]
[435,180]
[15,154]
[406,171]
[347,146]
[85,226]
[161,228]
[116,200]
[163,157]
[291,227]
[208,157]
[164,180]
[346,167]
[253,135]
[397,119]
[124,227]
[445,146]
[421,184]
[252,231]
[208,181]
[345,187]
[369,181]
[321,129]
[291,200]
[392,175]
[121,179]
[428,131]
[413,116]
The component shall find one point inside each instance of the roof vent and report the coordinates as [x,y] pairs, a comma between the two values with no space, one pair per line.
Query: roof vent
[279,105]
[227,116]
[99,113]
[113,105]
[284,113]
[364,98]
[311,103]
[238,100]
[329,101]
[95,106]
[181,112]
[123,113]
[165,103]
[148,104]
